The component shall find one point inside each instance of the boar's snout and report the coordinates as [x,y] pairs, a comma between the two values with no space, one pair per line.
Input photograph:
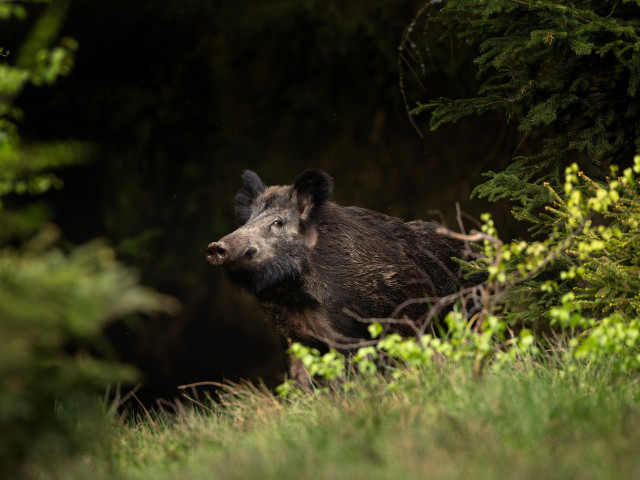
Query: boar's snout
[228,252]
[217,253]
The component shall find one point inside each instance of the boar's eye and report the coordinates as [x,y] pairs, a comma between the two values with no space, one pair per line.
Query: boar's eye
[278,224]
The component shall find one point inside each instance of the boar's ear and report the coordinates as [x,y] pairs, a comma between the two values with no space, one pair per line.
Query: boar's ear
[252,187]
[312,189]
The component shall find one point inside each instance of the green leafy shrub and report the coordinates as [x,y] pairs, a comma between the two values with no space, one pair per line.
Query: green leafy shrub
[54,358]
[567,73]
[54,303]
[584,276]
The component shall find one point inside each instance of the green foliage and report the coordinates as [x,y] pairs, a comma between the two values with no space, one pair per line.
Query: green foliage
[52,309]
[585,275]
[395,360]
[568,73]
[12,9]
[28,168]
[615,337]
[54,303]
[329,365]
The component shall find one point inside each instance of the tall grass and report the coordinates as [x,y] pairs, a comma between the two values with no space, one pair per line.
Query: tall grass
[524,422]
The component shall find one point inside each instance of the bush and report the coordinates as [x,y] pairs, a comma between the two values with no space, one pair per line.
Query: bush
[54,303]
[566,73]
[585,275]
[54,358]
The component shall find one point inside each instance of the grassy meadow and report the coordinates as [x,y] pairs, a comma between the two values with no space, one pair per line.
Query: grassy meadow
[522,422]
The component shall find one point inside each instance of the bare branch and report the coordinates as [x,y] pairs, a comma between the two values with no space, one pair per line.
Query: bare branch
[402,59]
[475,236]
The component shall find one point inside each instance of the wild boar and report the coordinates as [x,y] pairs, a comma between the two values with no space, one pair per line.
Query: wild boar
[318,268]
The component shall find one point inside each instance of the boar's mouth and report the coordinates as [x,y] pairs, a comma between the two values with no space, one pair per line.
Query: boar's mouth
[245,266]
[219,253]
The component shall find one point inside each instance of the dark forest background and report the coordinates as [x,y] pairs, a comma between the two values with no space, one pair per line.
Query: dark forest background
[176,98]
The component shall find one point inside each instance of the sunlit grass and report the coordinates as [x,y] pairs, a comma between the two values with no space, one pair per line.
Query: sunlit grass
[526,423]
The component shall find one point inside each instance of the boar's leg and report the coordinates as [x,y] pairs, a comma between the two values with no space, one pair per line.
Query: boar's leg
[299,374]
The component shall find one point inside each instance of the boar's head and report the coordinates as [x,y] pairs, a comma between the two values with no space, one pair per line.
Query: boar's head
[271,247]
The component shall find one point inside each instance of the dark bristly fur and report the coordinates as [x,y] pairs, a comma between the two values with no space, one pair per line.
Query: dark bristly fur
[316,266]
